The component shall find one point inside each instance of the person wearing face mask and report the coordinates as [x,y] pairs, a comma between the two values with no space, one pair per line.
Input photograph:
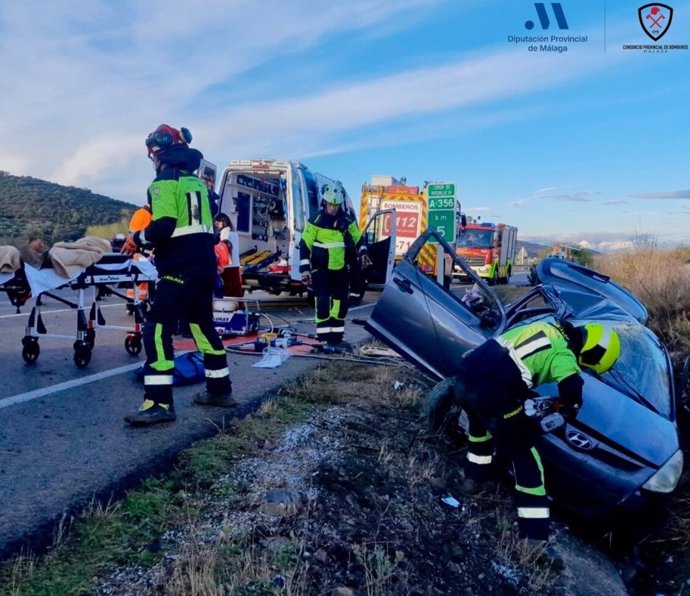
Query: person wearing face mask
[182,233]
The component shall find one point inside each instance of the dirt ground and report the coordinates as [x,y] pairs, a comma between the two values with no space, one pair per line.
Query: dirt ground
[360,498]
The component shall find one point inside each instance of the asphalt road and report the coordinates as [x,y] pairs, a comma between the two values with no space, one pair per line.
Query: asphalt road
[62,435]
[63,440]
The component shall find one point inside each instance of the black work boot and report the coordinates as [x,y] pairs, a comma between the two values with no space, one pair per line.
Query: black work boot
[151,412]
[471,486]
[221,400]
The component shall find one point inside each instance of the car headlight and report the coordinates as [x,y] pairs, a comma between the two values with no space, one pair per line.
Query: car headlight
[666,479]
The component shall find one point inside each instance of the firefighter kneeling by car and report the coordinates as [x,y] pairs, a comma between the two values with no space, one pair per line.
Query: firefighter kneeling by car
[493,383]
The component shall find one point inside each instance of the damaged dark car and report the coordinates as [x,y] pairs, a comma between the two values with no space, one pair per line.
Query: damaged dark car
[622,453]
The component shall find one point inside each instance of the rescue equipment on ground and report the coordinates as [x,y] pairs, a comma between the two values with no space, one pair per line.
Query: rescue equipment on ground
[231,318]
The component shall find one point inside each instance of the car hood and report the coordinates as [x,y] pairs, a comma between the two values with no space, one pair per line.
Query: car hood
[605,419]
[589,294]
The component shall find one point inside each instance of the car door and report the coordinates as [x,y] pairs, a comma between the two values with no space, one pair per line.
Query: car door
[379,236]
[426,320]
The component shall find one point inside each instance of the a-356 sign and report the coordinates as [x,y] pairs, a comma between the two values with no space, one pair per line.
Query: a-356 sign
[441,201]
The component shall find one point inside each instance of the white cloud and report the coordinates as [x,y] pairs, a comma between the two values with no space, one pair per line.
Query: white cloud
[598,241]
[115,72]
[667,194]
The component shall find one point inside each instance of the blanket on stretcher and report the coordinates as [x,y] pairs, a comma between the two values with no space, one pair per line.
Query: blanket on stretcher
[70,258]
[10,260]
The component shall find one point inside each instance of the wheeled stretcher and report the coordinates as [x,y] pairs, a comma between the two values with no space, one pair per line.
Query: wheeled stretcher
[111,271]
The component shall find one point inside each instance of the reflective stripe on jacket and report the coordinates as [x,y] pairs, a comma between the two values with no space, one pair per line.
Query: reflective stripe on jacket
[181,229]
[324,244]
[541,352]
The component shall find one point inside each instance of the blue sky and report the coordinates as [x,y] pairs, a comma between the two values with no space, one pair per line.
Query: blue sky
[587,145]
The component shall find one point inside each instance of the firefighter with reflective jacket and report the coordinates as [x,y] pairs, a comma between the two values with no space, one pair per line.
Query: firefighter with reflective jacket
[329,240]
[493,383]
[182,234]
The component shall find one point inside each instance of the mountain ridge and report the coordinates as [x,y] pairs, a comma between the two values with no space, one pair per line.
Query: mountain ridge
[31,206]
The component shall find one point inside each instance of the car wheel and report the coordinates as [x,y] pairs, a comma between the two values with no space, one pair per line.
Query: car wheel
[442,411]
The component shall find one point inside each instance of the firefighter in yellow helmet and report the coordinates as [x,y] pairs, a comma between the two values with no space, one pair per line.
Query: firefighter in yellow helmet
[330,238]
[493,383]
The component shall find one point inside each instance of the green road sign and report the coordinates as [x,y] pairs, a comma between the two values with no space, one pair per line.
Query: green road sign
[442,209]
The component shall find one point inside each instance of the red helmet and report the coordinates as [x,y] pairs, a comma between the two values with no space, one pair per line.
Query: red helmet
[165,136]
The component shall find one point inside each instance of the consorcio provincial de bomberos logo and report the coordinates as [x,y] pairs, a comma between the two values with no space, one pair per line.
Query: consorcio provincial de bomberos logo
[551,33]
[655,19]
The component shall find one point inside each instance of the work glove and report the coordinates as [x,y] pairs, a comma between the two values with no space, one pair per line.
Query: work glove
[342,223]
[365,260]
[569,411]
[570,392]
[129,247]
[306,277]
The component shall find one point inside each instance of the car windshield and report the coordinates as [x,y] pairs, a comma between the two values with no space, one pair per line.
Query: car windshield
[475,238]
[642,370]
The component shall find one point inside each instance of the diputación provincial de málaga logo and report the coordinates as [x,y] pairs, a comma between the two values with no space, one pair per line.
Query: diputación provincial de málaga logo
[544,41]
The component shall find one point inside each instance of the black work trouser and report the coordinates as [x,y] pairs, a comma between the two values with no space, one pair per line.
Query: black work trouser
[192,299]
[513,437]
[491,390]
[331,288]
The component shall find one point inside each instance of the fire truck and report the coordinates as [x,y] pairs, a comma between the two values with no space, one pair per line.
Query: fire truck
[489,248]
[404,211]
[388,193]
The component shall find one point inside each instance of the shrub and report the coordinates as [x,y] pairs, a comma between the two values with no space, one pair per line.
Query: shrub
[661,280]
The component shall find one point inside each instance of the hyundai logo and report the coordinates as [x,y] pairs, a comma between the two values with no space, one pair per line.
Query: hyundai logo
[579,441]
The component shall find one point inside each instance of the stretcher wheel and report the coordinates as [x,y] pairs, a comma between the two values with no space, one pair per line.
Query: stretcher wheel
[30,352]
[133,345]
[90,339]
[82,357]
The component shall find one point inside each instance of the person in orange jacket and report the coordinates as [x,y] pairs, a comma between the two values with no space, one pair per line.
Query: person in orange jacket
[140,219]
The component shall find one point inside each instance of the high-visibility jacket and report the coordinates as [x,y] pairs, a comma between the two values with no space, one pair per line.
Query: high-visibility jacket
[325,241]
[540,350]
[181,229]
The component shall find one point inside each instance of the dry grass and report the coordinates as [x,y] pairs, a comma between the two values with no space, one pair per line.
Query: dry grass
[661,280]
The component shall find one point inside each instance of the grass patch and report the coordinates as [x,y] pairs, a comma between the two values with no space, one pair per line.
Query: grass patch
[129,532]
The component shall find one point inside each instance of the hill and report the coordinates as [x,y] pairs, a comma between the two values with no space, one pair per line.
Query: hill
[533,250]
[58,213]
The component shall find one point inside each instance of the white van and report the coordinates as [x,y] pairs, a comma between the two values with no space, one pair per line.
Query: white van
[269,203]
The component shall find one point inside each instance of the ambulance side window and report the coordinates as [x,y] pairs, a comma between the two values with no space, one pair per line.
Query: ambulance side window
[297,201]
[312,193]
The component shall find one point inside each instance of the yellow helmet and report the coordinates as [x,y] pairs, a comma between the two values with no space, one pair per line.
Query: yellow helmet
[601,347]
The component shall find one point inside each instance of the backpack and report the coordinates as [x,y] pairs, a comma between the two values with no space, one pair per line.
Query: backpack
[189,368]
